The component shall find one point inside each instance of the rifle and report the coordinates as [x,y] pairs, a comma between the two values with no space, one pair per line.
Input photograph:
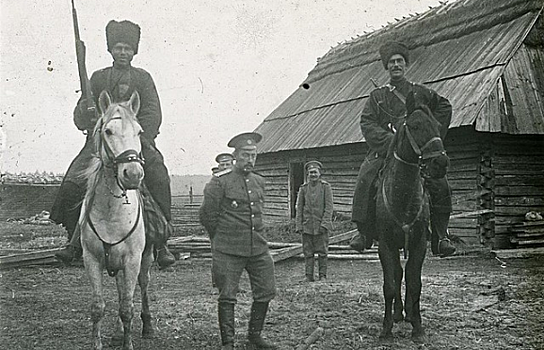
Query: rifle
[84,81]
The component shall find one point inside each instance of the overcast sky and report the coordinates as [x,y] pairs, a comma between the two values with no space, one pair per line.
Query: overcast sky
[220,67]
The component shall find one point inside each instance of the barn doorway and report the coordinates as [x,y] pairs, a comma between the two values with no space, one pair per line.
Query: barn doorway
[296,179]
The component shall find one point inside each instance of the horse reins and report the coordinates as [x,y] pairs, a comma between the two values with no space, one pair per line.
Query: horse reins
[128,156]
[107,246]
[422,156]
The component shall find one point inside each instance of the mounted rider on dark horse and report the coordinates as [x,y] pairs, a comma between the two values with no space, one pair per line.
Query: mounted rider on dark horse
[384,111]
[120,81]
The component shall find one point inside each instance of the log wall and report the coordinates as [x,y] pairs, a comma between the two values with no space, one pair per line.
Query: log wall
[518,165]
[500,173]
[341,165]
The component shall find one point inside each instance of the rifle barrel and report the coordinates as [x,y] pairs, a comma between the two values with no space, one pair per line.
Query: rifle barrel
[76,24]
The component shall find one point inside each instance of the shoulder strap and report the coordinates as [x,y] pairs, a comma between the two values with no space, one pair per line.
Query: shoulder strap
[396,92]
[399,96]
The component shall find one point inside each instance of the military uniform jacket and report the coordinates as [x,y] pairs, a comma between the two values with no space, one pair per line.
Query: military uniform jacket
[314,208]
[232,213]
[121,87]
[384,110]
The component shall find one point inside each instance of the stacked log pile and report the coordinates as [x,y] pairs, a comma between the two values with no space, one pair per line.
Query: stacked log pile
[528,234]
[42,257]
[199,247]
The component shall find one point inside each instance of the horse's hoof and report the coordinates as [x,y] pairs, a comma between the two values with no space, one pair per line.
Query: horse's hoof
[148,333]
[398,317]
[117,340]
[386,336]
[419,337]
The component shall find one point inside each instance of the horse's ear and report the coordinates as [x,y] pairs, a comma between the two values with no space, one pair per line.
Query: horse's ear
[104,101]
[134,102]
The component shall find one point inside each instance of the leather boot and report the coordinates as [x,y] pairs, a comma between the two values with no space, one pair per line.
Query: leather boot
[359,241]
[164,257]
[322,263]
[256,322]
[439,225]
[309,270]
[73,250]
[225,312]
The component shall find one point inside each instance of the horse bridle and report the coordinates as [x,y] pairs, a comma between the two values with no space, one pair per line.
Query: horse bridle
[128,156]
[423,156]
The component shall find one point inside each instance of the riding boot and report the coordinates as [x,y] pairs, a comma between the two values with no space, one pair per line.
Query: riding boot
[165,258]
[359,241]
[256,322]
[226,325]
[439,225]
[322,263]
[73,250]
[310,262]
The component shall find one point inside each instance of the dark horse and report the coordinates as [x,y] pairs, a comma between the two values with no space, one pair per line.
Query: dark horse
[403,214]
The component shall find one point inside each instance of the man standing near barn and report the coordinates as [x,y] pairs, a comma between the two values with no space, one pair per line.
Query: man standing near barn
[314,219]
[383,113]
[120,80]
[232,215]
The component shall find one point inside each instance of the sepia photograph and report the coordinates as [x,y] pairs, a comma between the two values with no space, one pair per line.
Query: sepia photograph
[291,175]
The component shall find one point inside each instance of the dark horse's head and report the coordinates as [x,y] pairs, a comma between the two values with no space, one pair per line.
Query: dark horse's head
[117,138]
[421,133]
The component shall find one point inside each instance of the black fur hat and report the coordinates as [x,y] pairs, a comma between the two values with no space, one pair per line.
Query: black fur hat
[391,48]
[123,32]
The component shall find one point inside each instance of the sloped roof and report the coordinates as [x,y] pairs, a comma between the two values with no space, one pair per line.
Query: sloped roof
[462,58]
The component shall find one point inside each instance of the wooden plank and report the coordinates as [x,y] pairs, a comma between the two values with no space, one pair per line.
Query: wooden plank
[527,241]
[39,257]
[515,211]
[518,253]
[287,253]
[519,191]
[473,213]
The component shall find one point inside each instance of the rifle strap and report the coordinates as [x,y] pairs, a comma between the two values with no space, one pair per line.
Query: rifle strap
[397,93]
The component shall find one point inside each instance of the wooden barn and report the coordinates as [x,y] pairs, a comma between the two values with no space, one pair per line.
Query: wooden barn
[486,57]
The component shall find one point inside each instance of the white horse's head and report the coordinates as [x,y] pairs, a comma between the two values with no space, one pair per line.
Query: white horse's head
[118,139]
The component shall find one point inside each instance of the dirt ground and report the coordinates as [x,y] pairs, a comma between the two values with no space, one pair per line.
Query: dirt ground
[468,302]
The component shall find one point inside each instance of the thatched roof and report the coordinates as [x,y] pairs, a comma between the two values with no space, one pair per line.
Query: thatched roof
[461,50]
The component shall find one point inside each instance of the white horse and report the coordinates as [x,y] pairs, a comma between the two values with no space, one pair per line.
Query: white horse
[111,221]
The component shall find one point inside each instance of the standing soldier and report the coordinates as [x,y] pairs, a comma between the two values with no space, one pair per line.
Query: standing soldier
[232,215]
[383,113]
[120,80]
[224,161]
[314,219]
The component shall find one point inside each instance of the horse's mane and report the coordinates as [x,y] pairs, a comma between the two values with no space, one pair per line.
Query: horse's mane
[96,166]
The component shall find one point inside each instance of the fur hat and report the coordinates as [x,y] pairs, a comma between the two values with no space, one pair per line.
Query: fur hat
[391,48]
[122,32]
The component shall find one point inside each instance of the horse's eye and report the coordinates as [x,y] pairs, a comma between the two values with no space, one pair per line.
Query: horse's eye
[140,132]
[108,132]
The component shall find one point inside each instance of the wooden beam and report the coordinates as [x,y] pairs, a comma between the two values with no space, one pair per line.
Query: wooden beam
[518,253]
[471,213]
[316,334]
[286,253]
[41,257]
